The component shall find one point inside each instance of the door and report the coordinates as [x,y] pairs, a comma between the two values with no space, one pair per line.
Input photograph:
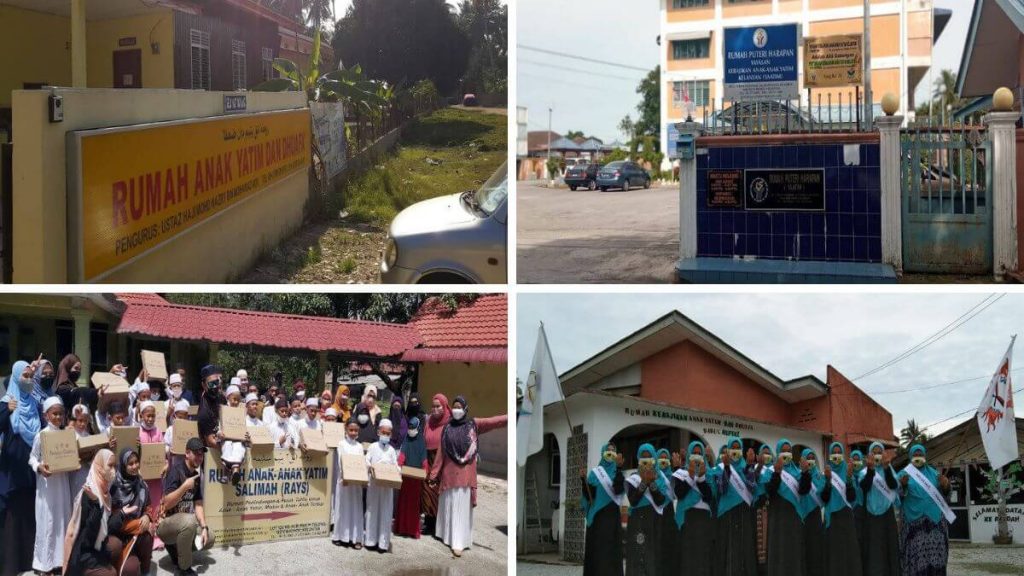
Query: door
[128,68]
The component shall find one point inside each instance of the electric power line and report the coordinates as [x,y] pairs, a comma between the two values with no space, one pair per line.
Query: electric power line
[975,410]
[576,70]
[583,58]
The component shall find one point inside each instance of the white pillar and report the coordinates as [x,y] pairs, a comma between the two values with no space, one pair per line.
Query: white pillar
[82,349]
[688,195]
[78,45]
[1001,128]
[889,158]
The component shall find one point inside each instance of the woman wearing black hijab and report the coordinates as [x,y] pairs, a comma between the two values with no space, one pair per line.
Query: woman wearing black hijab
[367,424]
[129,504]
[414,409]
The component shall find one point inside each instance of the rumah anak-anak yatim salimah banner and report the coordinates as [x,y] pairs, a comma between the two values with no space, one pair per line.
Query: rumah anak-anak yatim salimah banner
[283,495]
[140,186]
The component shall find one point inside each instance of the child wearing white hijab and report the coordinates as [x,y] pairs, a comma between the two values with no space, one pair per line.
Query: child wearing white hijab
[80,420]
[53,496]
[380,501]
[178,412]
[348,499]
[232,452]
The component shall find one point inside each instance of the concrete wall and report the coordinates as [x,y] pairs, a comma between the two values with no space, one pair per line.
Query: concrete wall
[228,244]
[102,38]
[35,48]
[854,413]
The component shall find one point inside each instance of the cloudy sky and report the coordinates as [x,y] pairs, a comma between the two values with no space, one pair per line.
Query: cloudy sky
[797,334]
[593,98]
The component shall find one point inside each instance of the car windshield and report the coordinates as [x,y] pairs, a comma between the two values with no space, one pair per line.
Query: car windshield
[614,165]
[490,196]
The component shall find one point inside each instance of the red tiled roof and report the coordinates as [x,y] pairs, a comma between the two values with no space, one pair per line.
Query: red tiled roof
[150,317]
[139,298]
[486,354]
[482,322]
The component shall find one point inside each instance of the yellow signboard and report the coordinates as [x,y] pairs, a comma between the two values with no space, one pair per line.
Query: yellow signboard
[140,186]
[283,495]
[833,61]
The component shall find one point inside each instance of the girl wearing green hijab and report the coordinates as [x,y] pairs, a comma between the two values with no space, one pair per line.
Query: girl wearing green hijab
[786,490]
[841,546]
[880,543]
[668,531]
[736,534]
[647,493]
[693,512]
[924,532]
[812,504]
[603,497]
[857,465]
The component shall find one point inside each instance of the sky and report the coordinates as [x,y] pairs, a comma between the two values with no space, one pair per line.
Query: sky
[794,335]
[625,32]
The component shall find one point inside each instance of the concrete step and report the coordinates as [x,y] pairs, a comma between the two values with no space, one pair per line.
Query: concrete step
[764,271]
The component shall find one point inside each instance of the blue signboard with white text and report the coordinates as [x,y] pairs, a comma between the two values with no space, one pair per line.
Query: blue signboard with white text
[761,63]
[673,138]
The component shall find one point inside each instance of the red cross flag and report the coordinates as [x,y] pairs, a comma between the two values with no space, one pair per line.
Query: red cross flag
[995,416]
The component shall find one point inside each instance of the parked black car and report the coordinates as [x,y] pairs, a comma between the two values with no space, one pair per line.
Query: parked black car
[622,174]
[582,176]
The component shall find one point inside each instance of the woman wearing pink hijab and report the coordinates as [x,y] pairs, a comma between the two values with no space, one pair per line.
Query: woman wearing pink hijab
[439,416]
[88,549]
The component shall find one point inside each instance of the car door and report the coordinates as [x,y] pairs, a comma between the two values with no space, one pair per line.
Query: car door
[631,173]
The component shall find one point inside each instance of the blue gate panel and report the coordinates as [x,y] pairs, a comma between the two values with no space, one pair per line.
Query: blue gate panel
[848,230]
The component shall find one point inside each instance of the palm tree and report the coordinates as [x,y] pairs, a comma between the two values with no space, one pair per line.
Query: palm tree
[316,11]
[911,435]
[945,90]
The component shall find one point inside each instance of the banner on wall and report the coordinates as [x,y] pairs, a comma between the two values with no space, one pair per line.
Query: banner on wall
[761,63]
[130,189]
[329,131]
[834,61]
[283,495]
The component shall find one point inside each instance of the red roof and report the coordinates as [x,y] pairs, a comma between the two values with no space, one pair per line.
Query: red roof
[156,317]
[474,332]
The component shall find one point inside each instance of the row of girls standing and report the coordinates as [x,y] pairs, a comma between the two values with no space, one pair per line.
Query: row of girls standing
[836,519]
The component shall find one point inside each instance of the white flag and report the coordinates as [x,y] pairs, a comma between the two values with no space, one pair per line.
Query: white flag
[995,416]
[541,388]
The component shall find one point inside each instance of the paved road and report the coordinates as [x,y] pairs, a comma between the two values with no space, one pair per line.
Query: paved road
[423,557]
[609,237]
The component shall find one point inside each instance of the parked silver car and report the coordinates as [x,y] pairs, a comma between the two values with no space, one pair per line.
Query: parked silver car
[456,239]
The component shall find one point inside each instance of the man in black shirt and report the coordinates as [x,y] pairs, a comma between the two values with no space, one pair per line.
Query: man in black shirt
[183,509]
[209,405]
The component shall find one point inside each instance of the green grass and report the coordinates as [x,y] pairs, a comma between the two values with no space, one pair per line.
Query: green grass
[348,265]
[470,146]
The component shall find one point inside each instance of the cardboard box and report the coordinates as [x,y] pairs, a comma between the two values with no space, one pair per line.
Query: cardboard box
[155,365]
[60,450]
[411,472]
[117,389]
[232,422]
[152,461]
[334,433]
[387,475]
[193,410]
[353,470]
[260,436]
[126,437]
[90,445]
[313,440]
[161,415]
[183,430]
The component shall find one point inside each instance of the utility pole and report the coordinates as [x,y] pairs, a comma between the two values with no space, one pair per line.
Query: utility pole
[869,105]
[547,166]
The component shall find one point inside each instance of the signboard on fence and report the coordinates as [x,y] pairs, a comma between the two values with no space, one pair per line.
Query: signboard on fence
[133,188]
[784,189]
[283,495]
[834,61]
[761,63]
[329,131]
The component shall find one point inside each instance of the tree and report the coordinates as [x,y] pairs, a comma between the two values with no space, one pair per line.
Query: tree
[628,127]
[573,134]
[649,89]
[945,91]
[316,12]
[911,435]
[404,41]
[485,24]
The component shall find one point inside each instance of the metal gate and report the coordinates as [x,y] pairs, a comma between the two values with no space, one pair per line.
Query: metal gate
[946,204]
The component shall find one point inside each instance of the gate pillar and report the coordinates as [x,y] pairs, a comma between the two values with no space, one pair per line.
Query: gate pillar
[688,195]
[1002,131]
[890,153]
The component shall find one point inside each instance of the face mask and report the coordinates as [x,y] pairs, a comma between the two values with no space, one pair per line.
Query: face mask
[812,463]
[364,418]
[413,433]
[25,384]
[878,458]
[766,458]
[73,376]
[647,461]
[154,395]
[664,462]
[786,457]
[918,461]
[384,439]
[836,459]
[175,393]
[857,465]
[696,458]
[458,413]
[609,456]
[735,454]
[46,381]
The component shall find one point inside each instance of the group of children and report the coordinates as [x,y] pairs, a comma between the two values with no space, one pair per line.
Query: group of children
[442,445]
[836,519]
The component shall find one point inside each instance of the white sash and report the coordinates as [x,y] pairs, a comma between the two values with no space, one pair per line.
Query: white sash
[932,491]
[878,482]
[606,483]
[839,485]
[635,481]
[791,483]
[739,485]
[668,482]
[684,475]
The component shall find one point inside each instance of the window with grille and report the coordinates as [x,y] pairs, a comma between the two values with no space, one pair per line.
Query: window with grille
[691,49]
[688,3]
[238,65]
[200,42]
[268,63]
[699,92]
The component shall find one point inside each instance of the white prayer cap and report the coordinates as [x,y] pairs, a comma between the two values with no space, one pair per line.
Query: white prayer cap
[331,412]
[174,379]
[300,393]
[250,397]
[146,404]
[141,386]
[233,389]
[236,381]
[79,409]
[312,402]
[51,402]
[181,406]
[385,423]
[242,373]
